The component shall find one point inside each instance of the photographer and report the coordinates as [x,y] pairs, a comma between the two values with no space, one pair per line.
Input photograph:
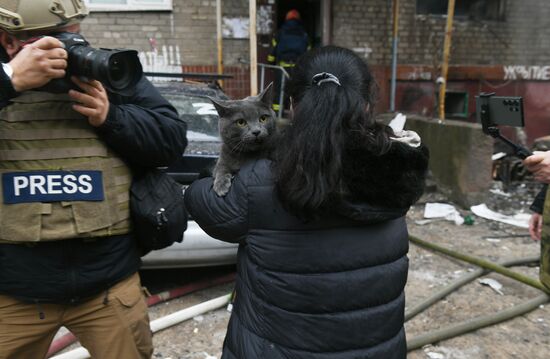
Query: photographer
[539,165]
[67,253]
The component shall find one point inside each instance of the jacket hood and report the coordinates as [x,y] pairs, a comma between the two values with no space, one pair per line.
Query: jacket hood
[383,186]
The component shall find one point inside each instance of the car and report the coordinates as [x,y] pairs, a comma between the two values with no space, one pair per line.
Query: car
[197,248]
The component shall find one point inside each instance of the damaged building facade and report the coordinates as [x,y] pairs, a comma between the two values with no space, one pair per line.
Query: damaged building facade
[500,46]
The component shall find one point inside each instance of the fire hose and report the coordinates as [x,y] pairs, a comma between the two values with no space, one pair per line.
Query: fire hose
[480,322]
[420,307]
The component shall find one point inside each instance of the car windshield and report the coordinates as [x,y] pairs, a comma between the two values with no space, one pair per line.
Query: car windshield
[202,122]
[200,115]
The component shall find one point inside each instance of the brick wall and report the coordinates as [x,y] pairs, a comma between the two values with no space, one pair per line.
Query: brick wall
[190,27]
[188,34]
[522,39]
[363,25]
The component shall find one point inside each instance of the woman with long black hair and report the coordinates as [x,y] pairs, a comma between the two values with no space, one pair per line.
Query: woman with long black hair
[322,261]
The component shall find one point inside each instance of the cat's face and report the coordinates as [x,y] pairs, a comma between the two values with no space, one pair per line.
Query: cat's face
[247,125]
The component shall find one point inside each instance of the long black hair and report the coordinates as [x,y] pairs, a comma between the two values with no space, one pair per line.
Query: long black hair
[308,161]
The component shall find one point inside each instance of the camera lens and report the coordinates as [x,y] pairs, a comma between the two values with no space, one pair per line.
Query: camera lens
[123,70]
[118,70]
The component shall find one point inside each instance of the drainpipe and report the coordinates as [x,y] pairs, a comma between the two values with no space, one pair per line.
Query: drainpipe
[219,37]
[446,55]
[394,54]
[326,7]
[253,49]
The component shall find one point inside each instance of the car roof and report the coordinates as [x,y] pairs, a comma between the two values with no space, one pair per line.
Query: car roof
[191,88]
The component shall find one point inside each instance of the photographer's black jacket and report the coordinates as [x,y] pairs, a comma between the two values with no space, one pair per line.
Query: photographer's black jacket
[143,129]
[6,88]
[327,288]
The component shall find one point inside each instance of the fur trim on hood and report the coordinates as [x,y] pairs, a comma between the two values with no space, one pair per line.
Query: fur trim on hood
[393,180]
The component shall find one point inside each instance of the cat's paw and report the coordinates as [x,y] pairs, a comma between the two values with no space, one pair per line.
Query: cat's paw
[222,184]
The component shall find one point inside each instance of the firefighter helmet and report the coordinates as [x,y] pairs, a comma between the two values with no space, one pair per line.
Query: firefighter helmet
[292,15]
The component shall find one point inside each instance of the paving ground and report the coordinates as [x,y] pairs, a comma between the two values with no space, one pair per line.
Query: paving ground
[527,336]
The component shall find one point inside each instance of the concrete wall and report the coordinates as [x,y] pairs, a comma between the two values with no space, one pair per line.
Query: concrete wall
[460,158]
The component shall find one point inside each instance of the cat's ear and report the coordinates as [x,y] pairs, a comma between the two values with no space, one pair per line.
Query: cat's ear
[266,96]
[221,107]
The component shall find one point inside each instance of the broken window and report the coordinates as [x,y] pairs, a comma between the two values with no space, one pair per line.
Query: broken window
[468,9]
[456,104]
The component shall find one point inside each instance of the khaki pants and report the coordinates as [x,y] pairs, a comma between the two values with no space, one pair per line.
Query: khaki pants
[545,244]
[116,329]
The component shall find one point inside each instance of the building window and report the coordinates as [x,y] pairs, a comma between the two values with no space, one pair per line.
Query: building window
[466,9]
[456,104]
[129,5]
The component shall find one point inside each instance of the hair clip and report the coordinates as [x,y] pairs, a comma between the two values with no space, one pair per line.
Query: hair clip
[323,77]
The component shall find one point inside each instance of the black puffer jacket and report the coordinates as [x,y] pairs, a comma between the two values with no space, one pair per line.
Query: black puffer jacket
[143,129]
[330,288]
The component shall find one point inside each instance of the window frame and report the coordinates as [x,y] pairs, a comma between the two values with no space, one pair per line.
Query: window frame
[464,95]
[499,14]
[132,5]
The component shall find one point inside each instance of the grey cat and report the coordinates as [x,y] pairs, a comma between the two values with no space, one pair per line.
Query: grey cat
[247,129]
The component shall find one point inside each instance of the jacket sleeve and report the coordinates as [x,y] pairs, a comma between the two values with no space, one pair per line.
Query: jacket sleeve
[272,56]
[7,92]
[224,218]
[144,128]
[538,203]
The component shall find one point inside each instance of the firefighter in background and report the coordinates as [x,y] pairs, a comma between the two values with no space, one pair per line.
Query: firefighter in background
[289,43]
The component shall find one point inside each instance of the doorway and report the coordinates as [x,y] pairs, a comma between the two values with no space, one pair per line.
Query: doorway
[310,11]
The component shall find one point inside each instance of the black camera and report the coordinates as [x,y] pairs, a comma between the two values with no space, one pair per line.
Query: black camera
[119,70]
[492,111]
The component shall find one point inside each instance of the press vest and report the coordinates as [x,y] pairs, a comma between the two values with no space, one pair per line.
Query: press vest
[59,180]
[545,244]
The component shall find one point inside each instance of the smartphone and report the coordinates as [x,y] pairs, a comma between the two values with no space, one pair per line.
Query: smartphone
[493,111]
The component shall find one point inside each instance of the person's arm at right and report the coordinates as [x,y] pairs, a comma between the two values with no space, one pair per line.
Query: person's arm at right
[535,222]
[538,164]
[535,226]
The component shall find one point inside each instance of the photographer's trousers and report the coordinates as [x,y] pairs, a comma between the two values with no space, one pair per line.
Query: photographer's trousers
[111,325]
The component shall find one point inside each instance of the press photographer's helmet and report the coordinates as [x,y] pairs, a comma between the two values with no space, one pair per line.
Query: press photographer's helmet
[30,15]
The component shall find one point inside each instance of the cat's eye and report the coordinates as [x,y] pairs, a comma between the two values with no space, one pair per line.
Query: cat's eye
[241,122]
[263,119]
